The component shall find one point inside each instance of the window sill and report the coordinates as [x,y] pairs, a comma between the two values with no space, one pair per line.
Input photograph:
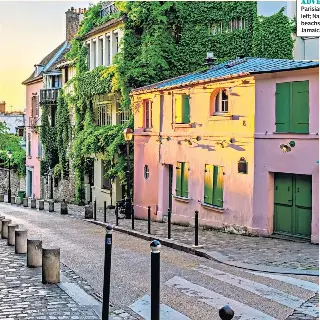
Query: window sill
[147,129]
[29,157]
[181,125]
[220,116]
[182,199]
[290,132]
[211,207]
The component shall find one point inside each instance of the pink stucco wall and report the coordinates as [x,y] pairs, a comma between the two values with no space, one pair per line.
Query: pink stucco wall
[269,158]
[238,188]
[33,162]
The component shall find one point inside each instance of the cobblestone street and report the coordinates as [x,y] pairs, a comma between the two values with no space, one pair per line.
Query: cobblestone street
[242,248]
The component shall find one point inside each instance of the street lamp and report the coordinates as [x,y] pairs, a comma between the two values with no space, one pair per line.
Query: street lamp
[128,134]
[9,186]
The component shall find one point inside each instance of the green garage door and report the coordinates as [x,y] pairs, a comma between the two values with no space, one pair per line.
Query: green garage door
[292,204]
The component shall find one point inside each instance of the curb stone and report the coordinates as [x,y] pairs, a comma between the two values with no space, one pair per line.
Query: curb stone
[213,255]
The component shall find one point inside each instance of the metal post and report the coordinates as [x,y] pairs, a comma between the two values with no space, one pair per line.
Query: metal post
[117,213]
[155,279]
[132,217]
[95,209]
[51,186]
[105,211]
[128,199]
[107,269]
[196,228]
[169,223]
[226,313]
[9,187]
[149,220]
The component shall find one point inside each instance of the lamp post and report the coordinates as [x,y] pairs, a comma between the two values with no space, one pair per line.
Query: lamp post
[9,183]
[128,134]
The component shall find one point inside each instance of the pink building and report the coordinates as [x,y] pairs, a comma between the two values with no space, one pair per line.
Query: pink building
[42,89]
[214,142]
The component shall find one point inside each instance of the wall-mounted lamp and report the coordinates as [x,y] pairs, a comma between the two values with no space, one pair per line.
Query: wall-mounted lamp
[222,144]
[159,140]
[188,141]
[232,140]
[197,138]
[242,165]
[228,90]
[287,147]
[168,138]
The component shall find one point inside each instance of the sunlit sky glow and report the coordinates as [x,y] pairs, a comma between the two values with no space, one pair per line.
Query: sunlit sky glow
[29,30]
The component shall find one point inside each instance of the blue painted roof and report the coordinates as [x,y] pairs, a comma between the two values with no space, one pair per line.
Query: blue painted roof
[232,68]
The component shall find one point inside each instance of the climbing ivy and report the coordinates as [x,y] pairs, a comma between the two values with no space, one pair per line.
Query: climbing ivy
[273,36]
[161,39]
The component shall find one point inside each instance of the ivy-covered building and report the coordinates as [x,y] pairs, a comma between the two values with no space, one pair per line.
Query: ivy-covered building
[42,91]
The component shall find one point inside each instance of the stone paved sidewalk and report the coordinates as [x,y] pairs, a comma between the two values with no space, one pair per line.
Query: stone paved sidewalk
[23,296]
[239,248]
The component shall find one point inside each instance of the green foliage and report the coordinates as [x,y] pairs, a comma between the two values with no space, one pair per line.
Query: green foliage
[63,129]
[272,37]
[161,39]
[48,136]
[12,142]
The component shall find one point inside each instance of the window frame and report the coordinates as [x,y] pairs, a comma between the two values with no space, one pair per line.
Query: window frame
[221,103]
[146,172]
[108,185]
[182,180]
[180,109]
[217,173]
[147,113]
[29,144]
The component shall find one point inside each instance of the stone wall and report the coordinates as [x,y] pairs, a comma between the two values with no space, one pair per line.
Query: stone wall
[17,183]
[64,189]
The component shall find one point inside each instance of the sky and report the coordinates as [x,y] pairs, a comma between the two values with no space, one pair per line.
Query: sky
[29,30]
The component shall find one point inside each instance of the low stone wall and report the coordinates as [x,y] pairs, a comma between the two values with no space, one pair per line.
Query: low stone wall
[65,189]
[17,183]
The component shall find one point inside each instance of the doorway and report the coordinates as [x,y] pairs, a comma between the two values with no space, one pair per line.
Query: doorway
[292,204]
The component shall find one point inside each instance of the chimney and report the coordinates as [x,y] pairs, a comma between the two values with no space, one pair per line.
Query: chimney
[2,107]
[73,18]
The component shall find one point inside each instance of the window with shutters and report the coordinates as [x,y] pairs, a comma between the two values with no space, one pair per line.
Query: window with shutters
[29,144]
[147,114]
[213,185]
[34,101]
[292,107]
[182,179]
[182,109]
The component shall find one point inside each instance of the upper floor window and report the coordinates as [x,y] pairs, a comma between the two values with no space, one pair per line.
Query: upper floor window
[34,107]
[216,28]
[236,24]
[182,108]
[148,114]
[292,107]
[124,116]
[107,8]
[94,53]
[104,114]
[101,52]
[88,56]
[66,74]
[56,81]
[221,102]
[29,144]
[232,25]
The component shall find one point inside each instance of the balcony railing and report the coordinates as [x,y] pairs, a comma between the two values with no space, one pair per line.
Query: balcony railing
[48,96]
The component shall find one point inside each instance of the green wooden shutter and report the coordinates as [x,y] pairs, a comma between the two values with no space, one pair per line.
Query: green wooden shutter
[283,188]
[208,184]
[300,107]
[185,109]
[178,179]
[218,187]
[185,180]
[283,100]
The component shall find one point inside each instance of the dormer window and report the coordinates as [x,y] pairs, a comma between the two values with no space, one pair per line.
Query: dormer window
[39,68]
[108,8]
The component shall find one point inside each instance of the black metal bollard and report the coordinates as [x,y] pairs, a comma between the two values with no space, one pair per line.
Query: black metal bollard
[226,312]
[132,217]
[95,209]
[196,228]
[149,220]
[169,223]
[105,211]
[107,271]
[117,213]
[155,279]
